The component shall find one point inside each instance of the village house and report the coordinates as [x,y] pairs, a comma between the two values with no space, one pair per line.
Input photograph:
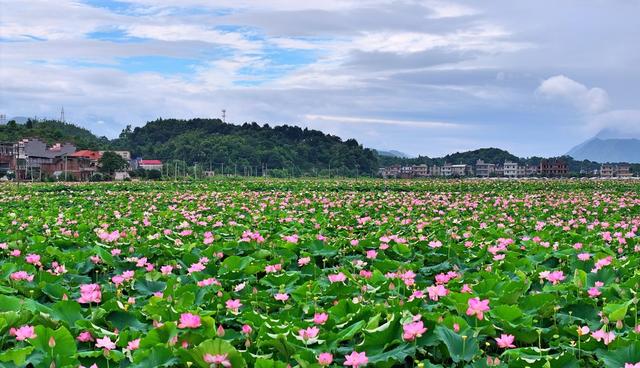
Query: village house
[33,159]
[615,171]
[511,169]
[436,170]
[421,171]
[150,164]
[461,170]
[484,169]
[553,168]
[446,169]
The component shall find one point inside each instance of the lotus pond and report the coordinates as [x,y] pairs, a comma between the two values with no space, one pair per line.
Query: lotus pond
[302,273]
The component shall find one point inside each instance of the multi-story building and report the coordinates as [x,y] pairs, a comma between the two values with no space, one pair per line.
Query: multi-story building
[553,168]
[624,171]
[436,170]
[461,170]
[406,172]
[446,170]
[615,171]
[511,169]
[33,159]
[126,155]
[421,171]
[7,159]
[484,169]
[607,171]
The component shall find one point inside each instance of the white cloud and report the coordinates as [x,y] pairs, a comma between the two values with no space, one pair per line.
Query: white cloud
[486,38]
[362,120]
[590,100]
[623,123]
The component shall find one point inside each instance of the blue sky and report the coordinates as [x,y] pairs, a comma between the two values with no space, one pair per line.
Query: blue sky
[420,76]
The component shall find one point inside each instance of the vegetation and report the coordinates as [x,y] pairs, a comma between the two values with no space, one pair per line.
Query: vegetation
[311,273]
[210,144]
[52,131]
[111,162]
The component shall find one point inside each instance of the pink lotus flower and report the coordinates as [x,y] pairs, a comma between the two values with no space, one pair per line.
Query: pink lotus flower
[133,345]
[356,359]
[505,341]
[477,307]
[196,267]
[246,329]
[166,269]
[23,333]
[309,333]
[553,277]
[85,336]
[304,261]
[21,275]
[412,330]
[90,293]
[188,320]
[594,292]
[606,337]
[325,359]
[320,318]
[283,297]
[584,256]
[338,277]
[217,359]
[105,343]
[273,268]
[33,259]
[372,254]
[437,291]
[435,244]
[291,238]
[583,330]
[233,305]
[632,365]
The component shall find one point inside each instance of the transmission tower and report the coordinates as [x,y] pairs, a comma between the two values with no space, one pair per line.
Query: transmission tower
[62,115]
[224,115]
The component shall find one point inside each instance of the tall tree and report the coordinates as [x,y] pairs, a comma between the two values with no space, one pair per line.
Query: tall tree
[111,162]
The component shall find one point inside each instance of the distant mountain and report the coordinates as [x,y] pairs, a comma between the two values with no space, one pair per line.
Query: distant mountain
[392,153]
[608,150]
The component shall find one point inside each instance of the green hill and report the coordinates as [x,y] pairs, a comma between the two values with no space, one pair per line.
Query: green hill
[52,131]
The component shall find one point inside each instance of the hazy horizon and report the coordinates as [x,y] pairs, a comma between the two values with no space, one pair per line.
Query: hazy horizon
[421,77]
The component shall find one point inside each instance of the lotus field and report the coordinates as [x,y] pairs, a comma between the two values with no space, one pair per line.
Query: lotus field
[302,273]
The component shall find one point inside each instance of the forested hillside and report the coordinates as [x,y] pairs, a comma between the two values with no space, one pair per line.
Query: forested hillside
[210,141]
[52,131]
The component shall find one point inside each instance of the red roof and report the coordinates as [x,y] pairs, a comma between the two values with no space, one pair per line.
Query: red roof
[150,162]
[92,155]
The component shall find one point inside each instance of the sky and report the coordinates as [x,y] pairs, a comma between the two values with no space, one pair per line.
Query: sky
[424,77]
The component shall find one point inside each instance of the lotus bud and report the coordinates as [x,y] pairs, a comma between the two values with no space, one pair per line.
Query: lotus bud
[220,331]
[52,342]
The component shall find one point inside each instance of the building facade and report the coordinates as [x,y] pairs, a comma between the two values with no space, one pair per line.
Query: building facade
[553,168]
[484,169]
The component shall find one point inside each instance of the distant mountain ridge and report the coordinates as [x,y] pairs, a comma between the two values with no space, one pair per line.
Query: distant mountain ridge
[392,153]
[608,150]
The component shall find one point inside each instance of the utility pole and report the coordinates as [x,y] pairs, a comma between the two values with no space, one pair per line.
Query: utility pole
[65,167]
